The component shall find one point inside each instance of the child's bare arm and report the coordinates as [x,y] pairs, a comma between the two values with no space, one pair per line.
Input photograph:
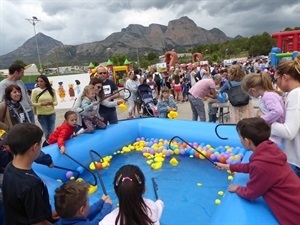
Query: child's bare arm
[233,187]
[62,149]
[222,166]
[106,199]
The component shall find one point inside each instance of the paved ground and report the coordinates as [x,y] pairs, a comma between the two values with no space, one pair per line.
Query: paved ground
[184,113]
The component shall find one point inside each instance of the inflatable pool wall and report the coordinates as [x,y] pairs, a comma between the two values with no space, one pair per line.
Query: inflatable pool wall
[233,209]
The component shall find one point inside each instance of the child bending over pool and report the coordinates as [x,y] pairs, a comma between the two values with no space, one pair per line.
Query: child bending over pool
[72,205]
[129,186]
[270,175]
[165,103]
[271,104]
[63,132]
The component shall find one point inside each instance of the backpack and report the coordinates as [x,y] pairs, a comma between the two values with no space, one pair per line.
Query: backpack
[198,76]
[236,96]
[157,78]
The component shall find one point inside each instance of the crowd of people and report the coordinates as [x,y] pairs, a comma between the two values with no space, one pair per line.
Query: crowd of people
[95,108]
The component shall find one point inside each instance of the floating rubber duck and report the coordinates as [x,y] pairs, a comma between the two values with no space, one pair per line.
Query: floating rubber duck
[159,158]
[172,114]
[126,149]
[92,165]
[107,158]
[156,166]
[174,162]
[92,189]
[105,164]
[147,155]
[150,161]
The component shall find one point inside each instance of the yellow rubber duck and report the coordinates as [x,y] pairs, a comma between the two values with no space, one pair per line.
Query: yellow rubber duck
[92,165]
[174,161]
[92,189]
[156,166]
[123,107]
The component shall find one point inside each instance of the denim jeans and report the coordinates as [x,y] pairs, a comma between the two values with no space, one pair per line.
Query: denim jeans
[213,118]
[47,123]
[110,117]
[198,109]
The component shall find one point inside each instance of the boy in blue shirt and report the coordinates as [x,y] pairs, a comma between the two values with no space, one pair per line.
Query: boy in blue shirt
[72,205]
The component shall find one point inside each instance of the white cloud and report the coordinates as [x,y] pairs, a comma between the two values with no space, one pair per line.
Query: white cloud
[81,21]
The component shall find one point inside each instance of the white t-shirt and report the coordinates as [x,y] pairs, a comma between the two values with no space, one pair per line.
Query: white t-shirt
[154,213]
[290,129]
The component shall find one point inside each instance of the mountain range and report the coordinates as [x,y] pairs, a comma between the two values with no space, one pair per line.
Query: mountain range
[180,34]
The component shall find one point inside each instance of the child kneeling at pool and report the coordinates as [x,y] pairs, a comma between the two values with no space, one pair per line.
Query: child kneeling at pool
[72,205]
[63,132]
[270,175]
[129,185]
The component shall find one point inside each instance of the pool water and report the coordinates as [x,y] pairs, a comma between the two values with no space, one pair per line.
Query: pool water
[189,190]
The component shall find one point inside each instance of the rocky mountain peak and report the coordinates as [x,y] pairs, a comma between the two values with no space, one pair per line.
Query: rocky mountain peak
[180,34]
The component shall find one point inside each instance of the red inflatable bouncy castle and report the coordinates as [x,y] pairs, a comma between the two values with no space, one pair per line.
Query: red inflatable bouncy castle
[171,58]
[288,41]
[197,57]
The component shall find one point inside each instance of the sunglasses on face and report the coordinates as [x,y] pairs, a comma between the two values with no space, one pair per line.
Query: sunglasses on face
[275,79]
[98,86]
[101,72]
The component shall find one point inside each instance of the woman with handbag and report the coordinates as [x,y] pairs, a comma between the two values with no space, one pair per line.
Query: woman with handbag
[44,99]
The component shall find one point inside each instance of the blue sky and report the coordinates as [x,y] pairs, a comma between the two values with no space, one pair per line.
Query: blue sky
[81,21]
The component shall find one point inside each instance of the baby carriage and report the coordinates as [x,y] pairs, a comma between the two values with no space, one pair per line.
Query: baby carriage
[148,106]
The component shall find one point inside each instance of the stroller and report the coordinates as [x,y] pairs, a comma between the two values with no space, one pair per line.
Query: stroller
[148,106]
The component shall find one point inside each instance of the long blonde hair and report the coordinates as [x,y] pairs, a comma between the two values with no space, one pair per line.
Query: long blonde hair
[261,80]
[87,90]
[290,67]
[236,73]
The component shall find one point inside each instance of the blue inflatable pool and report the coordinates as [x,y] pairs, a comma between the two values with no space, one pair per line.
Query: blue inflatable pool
[185,203]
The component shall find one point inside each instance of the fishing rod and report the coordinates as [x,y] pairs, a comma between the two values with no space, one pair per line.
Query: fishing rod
[192,148]
[155,187]
[95,178]
[98,173]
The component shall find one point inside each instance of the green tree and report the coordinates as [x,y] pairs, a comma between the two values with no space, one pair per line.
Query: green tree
[261,44]
[152,56]
[143,63]
[95,63]
[118,59]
